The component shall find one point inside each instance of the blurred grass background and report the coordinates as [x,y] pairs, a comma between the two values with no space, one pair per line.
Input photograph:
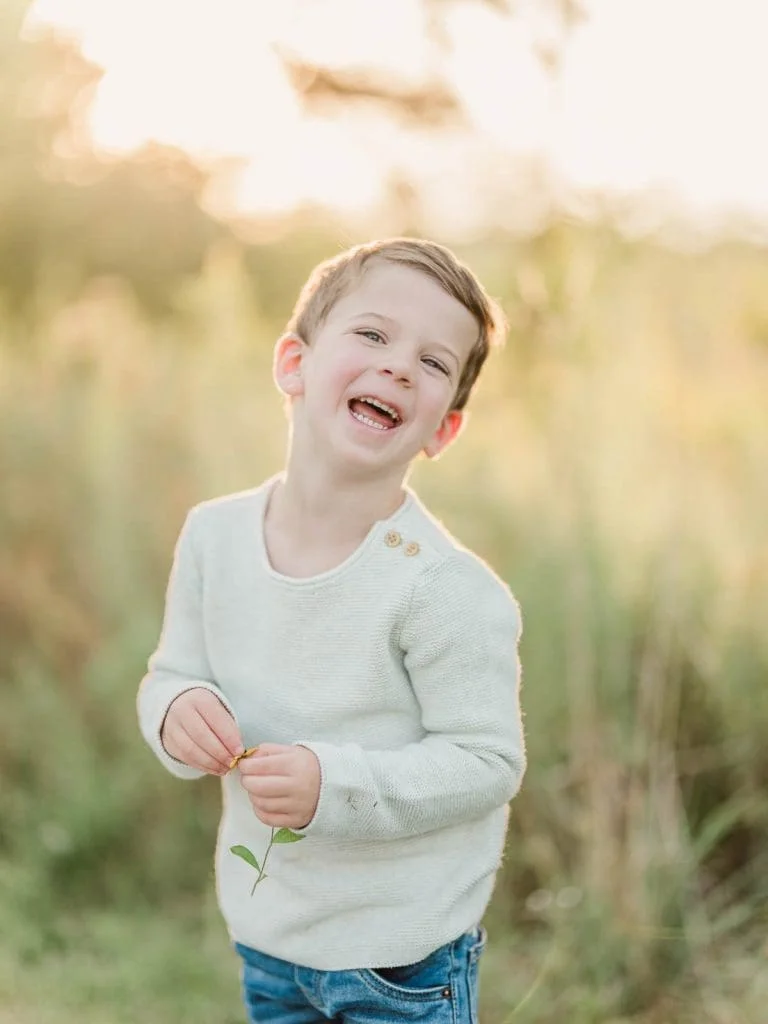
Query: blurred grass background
[614,472]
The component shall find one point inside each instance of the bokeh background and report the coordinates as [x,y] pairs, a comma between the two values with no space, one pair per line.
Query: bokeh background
[169,174]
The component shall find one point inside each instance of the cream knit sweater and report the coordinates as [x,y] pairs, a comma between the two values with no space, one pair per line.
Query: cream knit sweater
[399,669]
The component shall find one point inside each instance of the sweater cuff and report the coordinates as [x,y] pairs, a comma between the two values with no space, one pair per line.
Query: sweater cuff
[343,807]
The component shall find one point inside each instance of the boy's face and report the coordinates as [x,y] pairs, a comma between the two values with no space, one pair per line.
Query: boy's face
[396,340]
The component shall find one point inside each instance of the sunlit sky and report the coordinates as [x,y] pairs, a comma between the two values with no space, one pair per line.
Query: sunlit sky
[662,95]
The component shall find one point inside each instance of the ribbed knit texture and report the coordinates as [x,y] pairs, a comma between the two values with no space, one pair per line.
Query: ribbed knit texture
[400,671]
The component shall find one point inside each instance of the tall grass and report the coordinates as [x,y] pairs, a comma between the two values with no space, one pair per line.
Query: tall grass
[613,472]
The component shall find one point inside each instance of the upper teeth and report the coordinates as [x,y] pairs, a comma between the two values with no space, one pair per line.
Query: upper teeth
[381,405]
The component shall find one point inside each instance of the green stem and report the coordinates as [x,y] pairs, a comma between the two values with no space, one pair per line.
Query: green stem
[264,862]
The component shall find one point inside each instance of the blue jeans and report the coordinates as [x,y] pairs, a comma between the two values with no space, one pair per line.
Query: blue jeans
[441,989]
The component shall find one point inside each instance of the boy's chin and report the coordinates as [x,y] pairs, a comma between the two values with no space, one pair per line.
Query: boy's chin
[372,463]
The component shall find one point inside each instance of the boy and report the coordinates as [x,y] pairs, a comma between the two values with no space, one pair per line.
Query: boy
[326,617]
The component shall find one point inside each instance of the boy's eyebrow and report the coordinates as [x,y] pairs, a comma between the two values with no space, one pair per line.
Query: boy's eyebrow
[376,316]
[390,322]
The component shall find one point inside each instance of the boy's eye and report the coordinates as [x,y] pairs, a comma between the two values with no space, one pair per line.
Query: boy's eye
[435,364]
[371,335]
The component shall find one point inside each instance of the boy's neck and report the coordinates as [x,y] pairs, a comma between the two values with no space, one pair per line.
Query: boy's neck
[317,509]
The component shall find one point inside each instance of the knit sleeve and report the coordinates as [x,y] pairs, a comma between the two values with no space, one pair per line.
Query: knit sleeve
[180,661]
[460,648]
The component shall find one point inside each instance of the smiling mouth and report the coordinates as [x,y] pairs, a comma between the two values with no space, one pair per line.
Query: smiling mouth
[374,413]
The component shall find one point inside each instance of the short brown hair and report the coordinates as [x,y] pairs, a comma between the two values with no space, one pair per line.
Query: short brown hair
[332,279]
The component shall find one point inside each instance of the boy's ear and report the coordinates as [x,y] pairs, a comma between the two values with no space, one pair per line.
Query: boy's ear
[286,365]
[446,433]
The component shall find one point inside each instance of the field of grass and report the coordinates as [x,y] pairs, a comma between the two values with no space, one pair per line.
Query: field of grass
[613,471]
[117,967]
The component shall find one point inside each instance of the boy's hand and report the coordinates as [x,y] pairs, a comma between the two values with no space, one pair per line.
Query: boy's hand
[200,732]
[283,784]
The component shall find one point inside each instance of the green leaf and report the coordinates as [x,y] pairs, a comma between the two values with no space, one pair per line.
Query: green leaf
[247,856]
[284,835]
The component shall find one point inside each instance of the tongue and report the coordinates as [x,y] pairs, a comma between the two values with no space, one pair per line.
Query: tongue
[377,415]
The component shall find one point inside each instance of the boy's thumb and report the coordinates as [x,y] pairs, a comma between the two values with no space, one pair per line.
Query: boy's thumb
[264,749]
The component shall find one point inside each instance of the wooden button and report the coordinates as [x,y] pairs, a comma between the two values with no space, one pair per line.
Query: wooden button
[392,539]
[412,548]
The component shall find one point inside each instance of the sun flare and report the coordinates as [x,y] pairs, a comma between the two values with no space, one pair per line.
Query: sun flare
[649,96]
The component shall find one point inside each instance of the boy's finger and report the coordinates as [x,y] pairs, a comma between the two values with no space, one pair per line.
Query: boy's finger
[264,764]
[259,751]
[271,787]
[227,733]
[271,748]
[219,721]
[184,748]
[206,740]
[208,765]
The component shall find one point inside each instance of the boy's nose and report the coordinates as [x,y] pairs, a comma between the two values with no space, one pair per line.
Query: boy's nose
[399,370]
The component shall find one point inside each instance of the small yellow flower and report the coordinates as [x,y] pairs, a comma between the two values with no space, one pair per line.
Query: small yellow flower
[239,757]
